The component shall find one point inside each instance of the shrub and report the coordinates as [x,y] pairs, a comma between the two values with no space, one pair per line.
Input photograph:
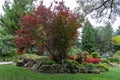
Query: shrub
[89,65]
[50,62]
[7,59]
[89,68]
[95,54]
[85,53]
[30,56]
[102,67]
[113,59]
[92,60]
[8,54]
[82,56]
[70,57]
[74,62]
[71,62]
[79,60]
[43,58]
[105,56]
[103,60]
[74,50]
[117,53]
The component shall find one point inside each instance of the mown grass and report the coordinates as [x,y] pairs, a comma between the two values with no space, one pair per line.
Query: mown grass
[11,72]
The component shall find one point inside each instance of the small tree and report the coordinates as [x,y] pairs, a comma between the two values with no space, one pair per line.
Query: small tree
[88,38]
[54,28]
[116,42]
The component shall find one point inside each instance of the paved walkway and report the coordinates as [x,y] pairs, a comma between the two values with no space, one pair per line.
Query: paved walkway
[2,63]
[115,65]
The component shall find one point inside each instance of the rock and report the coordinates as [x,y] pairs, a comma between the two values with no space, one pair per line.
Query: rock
[46,69]
[37,65]
[85,70]
[53,68]
[20,64]
[96,71]
[58,68]
[30,63]
[73,69]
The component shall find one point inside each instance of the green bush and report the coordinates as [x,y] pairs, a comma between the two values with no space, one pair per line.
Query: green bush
[30,56]
[74,51]
[87,68]
[8,54]
[102,67]
[95,54]
[113,59]
[85,53]
[71,62]
[104,60]
[50,62]
[43,58]
[89,65]
[117,53]
[7,59]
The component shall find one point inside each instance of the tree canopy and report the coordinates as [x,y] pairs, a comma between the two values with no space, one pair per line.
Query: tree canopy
[100,9]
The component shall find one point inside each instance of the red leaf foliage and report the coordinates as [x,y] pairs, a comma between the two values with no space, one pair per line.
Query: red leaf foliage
[70,57]
[52,27]
[92,60]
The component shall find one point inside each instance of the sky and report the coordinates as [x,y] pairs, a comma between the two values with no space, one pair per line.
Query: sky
[69,3]
[1,3]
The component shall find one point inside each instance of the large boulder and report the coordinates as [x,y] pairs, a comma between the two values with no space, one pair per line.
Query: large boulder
[46,69]
[73,68]
[37,65]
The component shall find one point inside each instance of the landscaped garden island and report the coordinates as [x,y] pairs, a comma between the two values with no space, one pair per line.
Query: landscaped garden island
[47,43]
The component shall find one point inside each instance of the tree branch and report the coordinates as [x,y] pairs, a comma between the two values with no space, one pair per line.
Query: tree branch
[103,4]
[111,6]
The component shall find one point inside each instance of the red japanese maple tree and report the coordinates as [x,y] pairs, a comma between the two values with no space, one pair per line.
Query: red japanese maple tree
[54,28]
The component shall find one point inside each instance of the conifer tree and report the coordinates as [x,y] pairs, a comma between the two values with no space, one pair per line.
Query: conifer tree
[88,38]
[13,12]
[9,21]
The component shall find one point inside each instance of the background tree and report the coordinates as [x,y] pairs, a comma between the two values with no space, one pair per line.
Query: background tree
[9,22]
[103,38]
[54,28]
[118,31]
[101,9]
[12,14]
[88,38]
[6,47]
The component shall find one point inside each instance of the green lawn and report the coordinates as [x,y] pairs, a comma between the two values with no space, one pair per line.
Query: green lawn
[10,72]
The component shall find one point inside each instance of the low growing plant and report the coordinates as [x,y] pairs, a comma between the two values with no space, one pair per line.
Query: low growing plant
[95,54]
[102,67]
[113,59]
[92,60]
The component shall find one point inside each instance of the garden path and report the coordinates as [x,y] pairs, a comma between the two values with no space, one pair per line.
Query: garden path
[2,63]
